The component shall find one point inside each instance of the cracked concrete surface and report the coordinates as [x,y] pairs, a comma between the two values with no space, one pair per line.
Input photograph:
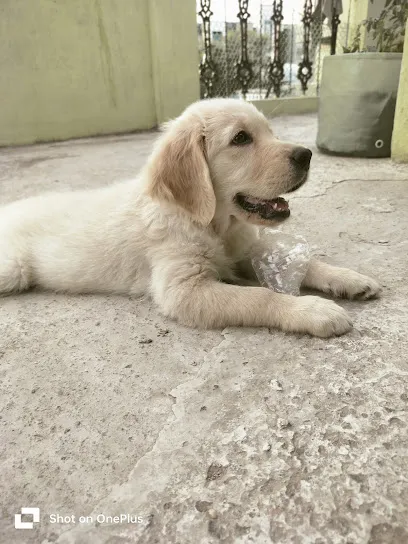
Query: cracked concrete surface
[226,436]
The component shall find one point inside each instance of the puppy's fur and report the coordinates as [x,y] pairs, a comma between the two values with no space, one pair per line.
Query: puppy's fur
[177,231]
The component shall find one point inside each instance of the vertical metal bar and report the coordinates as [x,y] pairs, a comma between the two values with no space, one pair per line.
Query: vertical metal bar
[208,69]
[275,70]
[292,39]
[243,66]
[334,26]
[305,65]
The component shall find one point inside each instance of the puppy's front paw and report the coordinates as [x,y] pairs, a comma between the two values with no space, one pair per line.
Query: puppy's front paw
[350,284]
[319,317]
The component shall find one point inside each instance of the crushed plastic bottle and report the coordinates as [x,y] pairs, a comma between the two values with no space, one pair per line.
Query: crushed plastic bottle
[281,261]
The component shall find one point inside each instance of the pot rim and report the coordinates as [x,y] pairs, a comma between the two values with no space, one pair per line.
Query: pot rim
[371,55]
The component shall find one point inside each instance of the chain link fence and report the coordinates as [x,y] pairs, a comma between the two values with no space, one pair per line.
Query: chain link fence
[221,48]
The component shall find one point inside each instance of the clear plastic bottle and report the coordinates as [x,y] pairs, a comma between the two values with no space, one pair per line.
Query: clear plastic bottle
[281,261]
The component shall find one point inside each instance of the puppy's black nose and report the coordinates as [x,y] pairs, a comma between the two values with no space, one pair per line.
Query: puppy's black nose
[301,157]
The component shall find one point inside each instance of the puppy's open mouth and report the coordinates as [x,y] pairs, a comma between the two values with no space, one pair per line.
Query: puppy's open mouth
[276,209]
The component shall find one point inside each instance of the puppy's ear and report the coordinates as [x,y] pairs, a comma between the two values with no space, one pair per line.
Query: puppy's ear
[178,171]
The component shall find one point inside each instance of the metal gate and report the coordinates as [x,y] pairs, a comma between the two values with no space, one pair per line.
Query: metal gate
[255,50]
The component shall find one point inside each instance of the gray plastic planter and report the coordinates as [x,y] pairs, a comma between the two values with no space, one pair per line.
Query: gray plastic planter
[357,103]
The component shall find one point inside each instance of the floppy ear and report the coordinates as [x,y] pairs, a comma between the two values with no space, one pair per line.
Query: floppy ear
[178,170]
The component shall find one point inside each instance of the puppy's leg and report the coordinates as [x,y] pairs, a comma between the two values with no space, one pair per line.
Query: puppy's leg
[204,302]
[340,282]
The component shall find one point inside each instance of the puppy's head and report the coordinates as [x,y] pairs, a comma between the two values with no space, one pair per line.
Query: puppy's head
[221,157]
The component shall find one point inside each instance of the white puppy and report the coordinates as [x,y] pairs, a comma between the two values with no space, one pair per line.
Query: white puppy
[182,231]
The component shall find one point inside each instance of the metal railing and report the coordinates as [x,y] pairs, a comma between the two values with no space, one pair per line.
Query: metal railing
[269,52]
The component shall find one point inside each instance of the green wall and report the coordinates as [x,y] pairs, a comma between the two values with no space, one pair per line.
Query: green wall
[399,148]
[72,68]
[173,30]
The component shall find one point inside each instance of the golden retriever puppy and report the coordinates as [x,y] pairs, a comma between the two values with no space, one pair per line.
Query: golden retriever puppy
[183,230]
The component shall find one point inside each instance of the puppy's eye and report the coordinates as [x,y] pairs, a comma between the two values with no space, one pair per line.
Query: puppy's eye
[242,138]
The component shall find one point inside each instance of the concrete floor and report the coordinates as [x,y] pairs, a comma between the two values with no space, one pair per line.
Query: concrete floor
[226,436]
